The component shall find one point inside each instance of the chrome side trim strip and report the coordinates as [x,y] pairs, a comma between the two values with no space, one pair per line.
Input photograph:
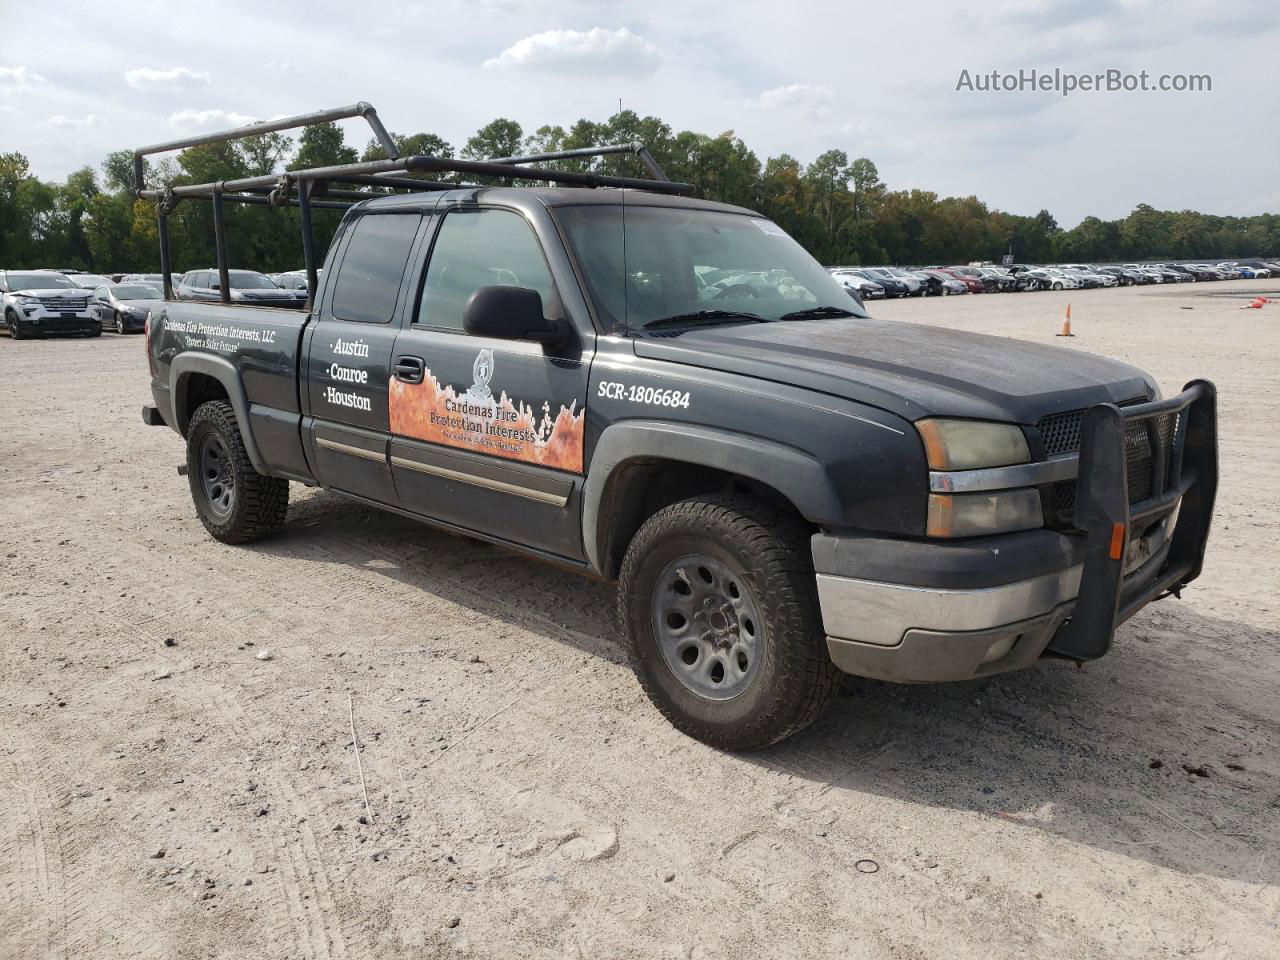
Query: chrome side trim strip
[380,457]
[881,613]
[1064,467]
[542,496]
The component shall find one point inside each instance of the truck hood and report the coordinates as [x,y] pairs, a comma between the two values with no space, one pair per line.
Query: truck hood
[910,369]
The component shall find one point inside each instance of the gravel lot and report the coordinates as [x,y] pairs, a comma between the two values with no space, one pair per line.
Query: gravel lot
[177,775]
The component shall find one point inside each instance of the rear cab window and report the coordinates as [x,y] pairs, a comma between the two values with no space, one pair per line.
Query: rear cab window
[367,284]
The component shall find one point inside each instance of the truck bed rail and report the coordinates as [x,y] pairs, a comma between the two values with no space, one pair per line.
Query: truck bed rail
[310,188]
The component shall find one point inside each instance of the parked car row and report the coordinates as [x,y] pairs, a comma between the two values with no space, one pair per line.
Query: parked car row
[40,302]
[878,283]
[36,303]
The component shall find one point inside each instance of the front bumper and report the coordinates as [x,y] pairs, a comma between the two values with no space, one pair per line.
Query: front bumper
[44,322]
[915,611]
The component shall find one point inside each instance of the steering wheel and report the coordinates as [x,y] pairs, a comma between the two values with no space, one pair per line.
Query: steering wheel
[736,291]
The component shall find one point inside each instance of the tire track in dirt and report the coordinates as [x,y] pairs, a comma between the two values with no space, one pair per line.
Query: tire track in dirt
[37,830]
[304,881]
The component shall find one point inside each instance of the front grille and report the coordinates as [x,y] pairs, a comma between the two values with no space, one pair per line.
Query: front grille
[1060,434]
[1139,456]
[65,304]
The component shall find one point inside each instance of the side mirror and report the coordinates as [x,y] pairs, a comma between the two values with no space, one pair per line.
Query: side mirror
[511,313]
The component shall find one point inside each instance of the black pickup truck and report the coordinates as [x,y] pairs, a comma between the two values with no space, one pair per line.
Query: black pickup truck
[672,394]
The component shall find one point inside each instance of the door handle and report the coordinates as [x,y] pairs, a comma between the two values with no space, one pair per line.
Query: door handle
[409,369]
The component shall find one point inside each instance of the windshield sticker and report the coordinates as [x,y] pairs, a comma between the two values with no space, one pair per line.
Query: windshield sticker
[477,420]
[769,227]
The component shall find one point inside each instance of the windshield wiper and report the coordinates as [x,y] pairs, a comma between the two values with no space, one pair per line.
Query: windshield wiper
[705,316]
[817,313]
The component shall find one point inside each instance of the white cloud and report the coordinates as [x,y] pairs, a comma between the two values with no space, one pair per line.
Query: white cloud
[796,98]
[175,78]
[70,123]
[15,80]
[208,118]
[611,51]
[282,66]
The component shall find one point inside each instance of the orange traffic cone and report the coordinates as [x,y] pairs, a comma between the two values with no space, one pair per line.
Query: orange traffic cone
[1256,304]
[1066,324]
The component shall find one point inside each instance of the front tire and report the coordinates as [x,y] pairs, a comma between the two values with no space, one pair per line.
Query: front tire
[119,324]
[235,503]
[15,328]
[718,604]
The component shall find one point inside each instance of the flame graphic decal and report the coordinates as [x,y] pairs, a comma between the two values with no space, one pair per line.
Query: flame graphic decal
[475,420]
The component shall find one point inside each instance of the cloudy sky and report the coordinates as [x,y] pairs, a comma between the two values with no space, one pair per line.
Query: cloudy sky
[875,80]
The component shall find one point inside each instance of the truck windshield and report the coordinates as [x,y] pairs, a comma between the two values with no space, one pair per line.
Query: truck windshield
[671,263]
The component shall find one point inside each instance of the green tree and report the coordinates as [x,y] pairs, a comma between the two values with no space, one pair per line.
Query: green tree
[498,138]
[321,145]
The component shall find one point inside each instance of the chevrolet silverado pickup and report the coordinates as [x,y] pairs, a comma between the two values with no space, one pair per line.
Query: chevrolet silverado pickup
[673,395]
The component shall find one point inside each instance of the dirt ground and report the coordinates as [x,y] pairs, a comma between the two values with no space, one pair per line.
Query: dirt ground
[177,775]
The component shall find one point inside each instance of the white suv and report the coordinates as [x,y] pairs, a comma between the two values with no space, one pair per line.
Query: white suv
[39,302]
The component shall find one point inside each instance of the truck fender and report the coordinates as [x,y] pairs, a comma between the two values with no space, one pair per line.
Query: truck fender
[794,474]
[223,371]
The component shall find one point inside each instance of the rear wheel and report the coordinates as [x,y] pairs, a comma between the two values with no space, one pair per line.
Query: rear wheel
[235,503]
[719,607]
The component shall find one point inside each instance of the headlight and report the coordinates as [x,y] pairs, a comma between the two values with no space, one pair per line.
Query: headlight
[972,444]
[978,514]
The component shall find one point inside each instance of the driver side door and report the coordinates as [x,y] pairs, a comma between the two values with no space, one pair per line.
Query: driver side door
[487,434]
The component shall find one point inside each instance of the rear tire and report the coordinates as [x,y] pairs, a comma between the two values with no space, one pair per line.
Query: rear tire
[718,604]
[235,503]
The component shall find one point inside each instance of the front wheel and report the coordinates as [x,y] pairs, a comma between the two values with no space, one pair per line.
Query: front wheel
[15,328]
[235,503]
[119,324]
[718,604]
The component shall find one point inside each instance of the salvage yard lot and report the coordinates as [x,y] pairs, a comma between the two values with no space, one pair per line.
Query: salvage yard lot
[177,775]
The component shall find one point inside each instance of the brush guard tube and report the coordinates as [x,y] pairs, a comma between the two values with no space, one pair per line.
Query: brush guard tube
[1103,511]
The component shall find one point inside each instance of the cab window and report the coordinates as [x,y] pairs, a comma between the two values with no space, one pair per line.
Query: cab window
[474,249]
[368,282]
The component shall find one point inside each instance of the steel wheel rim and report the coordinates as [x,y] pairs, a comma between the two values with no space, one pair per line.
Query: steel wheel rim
[216,477]
[708,626]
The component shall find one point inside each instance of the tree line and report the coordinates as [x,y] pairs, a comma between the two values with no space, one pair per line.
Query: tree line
[837,207]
